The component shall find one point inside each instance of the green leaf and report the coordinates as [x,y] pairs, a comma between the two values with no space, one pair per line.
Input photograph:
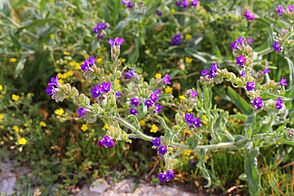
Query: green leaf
[193,141]
[239,102]
[251,170]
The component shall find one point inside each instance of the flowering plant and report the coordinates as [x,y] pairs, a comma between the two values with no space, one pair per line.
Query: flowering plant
[123,100]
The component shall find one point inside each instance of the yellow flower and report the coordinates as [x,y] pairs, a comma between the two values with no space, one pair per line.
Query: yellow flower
[188,59]
[172,11]
[189,110]
[154,128]
[65,53]
[15,128]
[1,116]
[99,60]
[182,97]
[123,60]
[188,36]
[22,141]
[84,127]
[61,81]
[142,123]
[1,87]
[204,119]
[187,132]
[187,152]
[12,60]
[105,127]
[15,97]
[59,112]
[52,36]
[158,75]
[42,124]
[168,89]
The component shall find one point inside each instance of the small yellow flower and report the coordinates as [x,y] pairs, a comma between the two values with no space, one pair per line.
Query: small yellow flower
[168,89]
[52,36]
[105,127]
[188,59]
[154,128]
[42,124]
[188,36]
[99,60]
[142,123]
[65,53]
[182,97]
[22,141]
[15,128]
[187,152]
[158,75]
[123,60]
[172,11]
[84,127]
[204,119]
[15,97]
[61,81]
[1,116]
[12,60]
[187,132]
[59,112]
[1,87]
[189,110]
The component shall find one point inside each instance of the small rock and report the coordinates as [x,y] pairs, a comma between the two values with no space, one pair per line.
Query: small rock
[99,186]
[7,183]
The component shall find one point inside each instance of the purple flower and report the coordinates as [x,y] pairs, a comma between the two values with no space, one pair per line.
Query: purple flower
[157,92]
[85,66]
[257,102]
[135,101]
[53,81]
[283,82]
[157,108]
[276,46]
[194,3]
[280,10]
[189,118]
[166,79]
[240,60]
[162,149]
[243,74]
[213,70]
[133,111]
[241,40]
[156,141]
[279,103]
[107,142]
[117,41]
[148,103]
[130,73]
[169,175]
[50,90]
[176,40]
[162,177]
[204,72]
[105,87]
[96,91]
[290,9]
[159,13]
[130,5]
[197,122]
[82,111]
[91,60]
[118,94]
[99,27]
[250,86]
[183,3]
[266,71]
[249,40]
[249,15]
[234,45]
[153,97]
[194,93]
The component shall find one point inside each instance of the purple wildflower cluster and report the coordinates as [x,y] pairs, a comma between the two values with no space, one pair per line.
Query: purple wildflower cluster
[106,142]
[276,46]
[162,149]
[176,40]
[82,112]
[211,73]
[99,29]
[281,10]
[88,63]
[249,15]
[153,98]
[134,102]
[239,43]
[290,9]
[192,121]
[257,102]
[127,3]
[250,86]
[167,176]
[129,74]
[116,42]
[52,86]
[185,3]
[240,60]
[279,103]
[97,90]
